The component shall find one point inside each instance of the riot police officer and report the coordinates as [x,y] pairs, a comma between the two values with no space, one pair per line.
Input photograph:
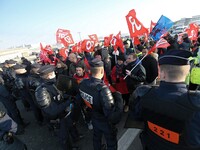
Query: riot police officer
[106,110]
[21,83]
[33,82]
[170,112]
[54,106]
[8,128]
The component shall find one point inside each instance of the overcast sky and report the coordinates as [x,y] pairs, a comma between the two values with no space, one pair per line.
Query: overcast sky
[35,21]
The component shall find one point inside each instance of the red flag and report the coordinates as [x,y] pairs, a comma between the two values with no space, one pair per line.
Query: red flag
[88,45]
[134,25]
[77,48]
[64,37]
[94,38]
[152,25]
[60,34]
[193,31]
[106,41]
[162,43]
[136,40]
[48,49]
[63,52]
[43,54]
[119,42]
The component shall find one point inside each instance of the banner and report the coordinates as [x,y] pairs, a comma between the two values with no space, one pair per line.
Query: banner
[87,45]
[64,37]
[161,27]
[94,38]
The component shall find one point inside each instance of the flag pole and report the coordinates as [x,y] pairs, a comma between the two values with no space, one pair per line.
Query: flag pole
[136,65]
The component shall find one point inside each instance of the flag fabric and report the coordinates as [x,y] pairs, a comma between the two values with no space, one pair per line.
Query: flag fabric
[135,27]
[161,27]
[87,45]
[60,34]
[63,52]
[44,54]
[119,42]
[152,25]
[106,41]
[136,40]
[192,31]
[162,43]
[77,48]
[94,38]
[64,37]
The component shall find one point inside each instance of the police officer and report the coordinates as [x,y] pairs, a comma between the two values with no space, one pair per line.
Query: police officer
[9,77]
[54,106]
[21,83]
[106,110]
[8,141]
[170,112]
[33,82]
[9,103]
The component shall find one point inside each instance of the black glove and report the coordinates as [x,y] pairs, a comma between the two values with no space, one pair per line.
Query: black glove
[8,138]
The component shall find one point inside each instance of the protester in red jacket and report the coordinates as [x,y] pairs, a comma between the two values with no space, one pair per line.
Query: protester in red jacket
[117,77]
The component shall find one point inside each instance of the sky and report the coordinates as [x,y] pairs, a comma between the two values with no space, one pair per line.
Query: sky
[35,21]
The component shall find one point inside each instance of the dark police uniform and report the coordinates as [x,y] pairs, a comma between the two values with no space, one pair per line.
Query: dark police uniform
[170,112]
[11,107]
[53,105]
[34,81]
[22,86]
[7,129]
[106,110]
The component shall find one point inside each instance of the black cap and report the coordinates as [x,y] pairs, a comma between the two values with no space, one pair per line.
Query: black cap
[11,61]
[96,62]
[36,65]
[175,57]
[18,66]
[46,69]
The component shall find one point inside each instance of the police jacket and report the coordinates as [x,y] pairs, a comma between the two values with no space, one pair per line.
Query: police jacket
[6,124]
[99,98]
[171,116]
[51,100]
[8,76]
[138,75]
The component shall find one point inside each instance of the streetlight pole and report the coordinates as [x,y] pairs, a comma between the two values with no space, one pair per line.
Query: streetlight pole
[79,35]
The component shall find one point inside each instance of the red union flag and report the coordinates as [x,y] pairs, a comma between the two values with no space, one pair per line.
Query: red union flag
[77,48]
[88,45]
[107,40]
[152,25]
[134,25]
[64,53]
[193,31]
[162,43]
[60,34]
[94,38]
[64,37]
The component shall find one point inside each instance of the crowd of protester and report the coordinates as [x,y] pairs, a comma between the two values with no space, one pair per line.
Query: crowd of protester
[20,81]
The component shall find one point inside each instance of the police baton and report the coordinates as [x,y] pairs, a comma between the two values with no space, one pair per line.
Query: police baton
[136,65]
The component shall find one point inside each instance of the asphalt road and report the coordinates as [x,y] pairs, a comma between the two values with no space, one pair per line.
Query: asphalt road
[40,138]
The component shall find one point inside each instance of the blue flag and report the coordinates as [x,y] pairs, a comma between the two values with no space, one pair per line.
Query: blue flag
[161,27]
